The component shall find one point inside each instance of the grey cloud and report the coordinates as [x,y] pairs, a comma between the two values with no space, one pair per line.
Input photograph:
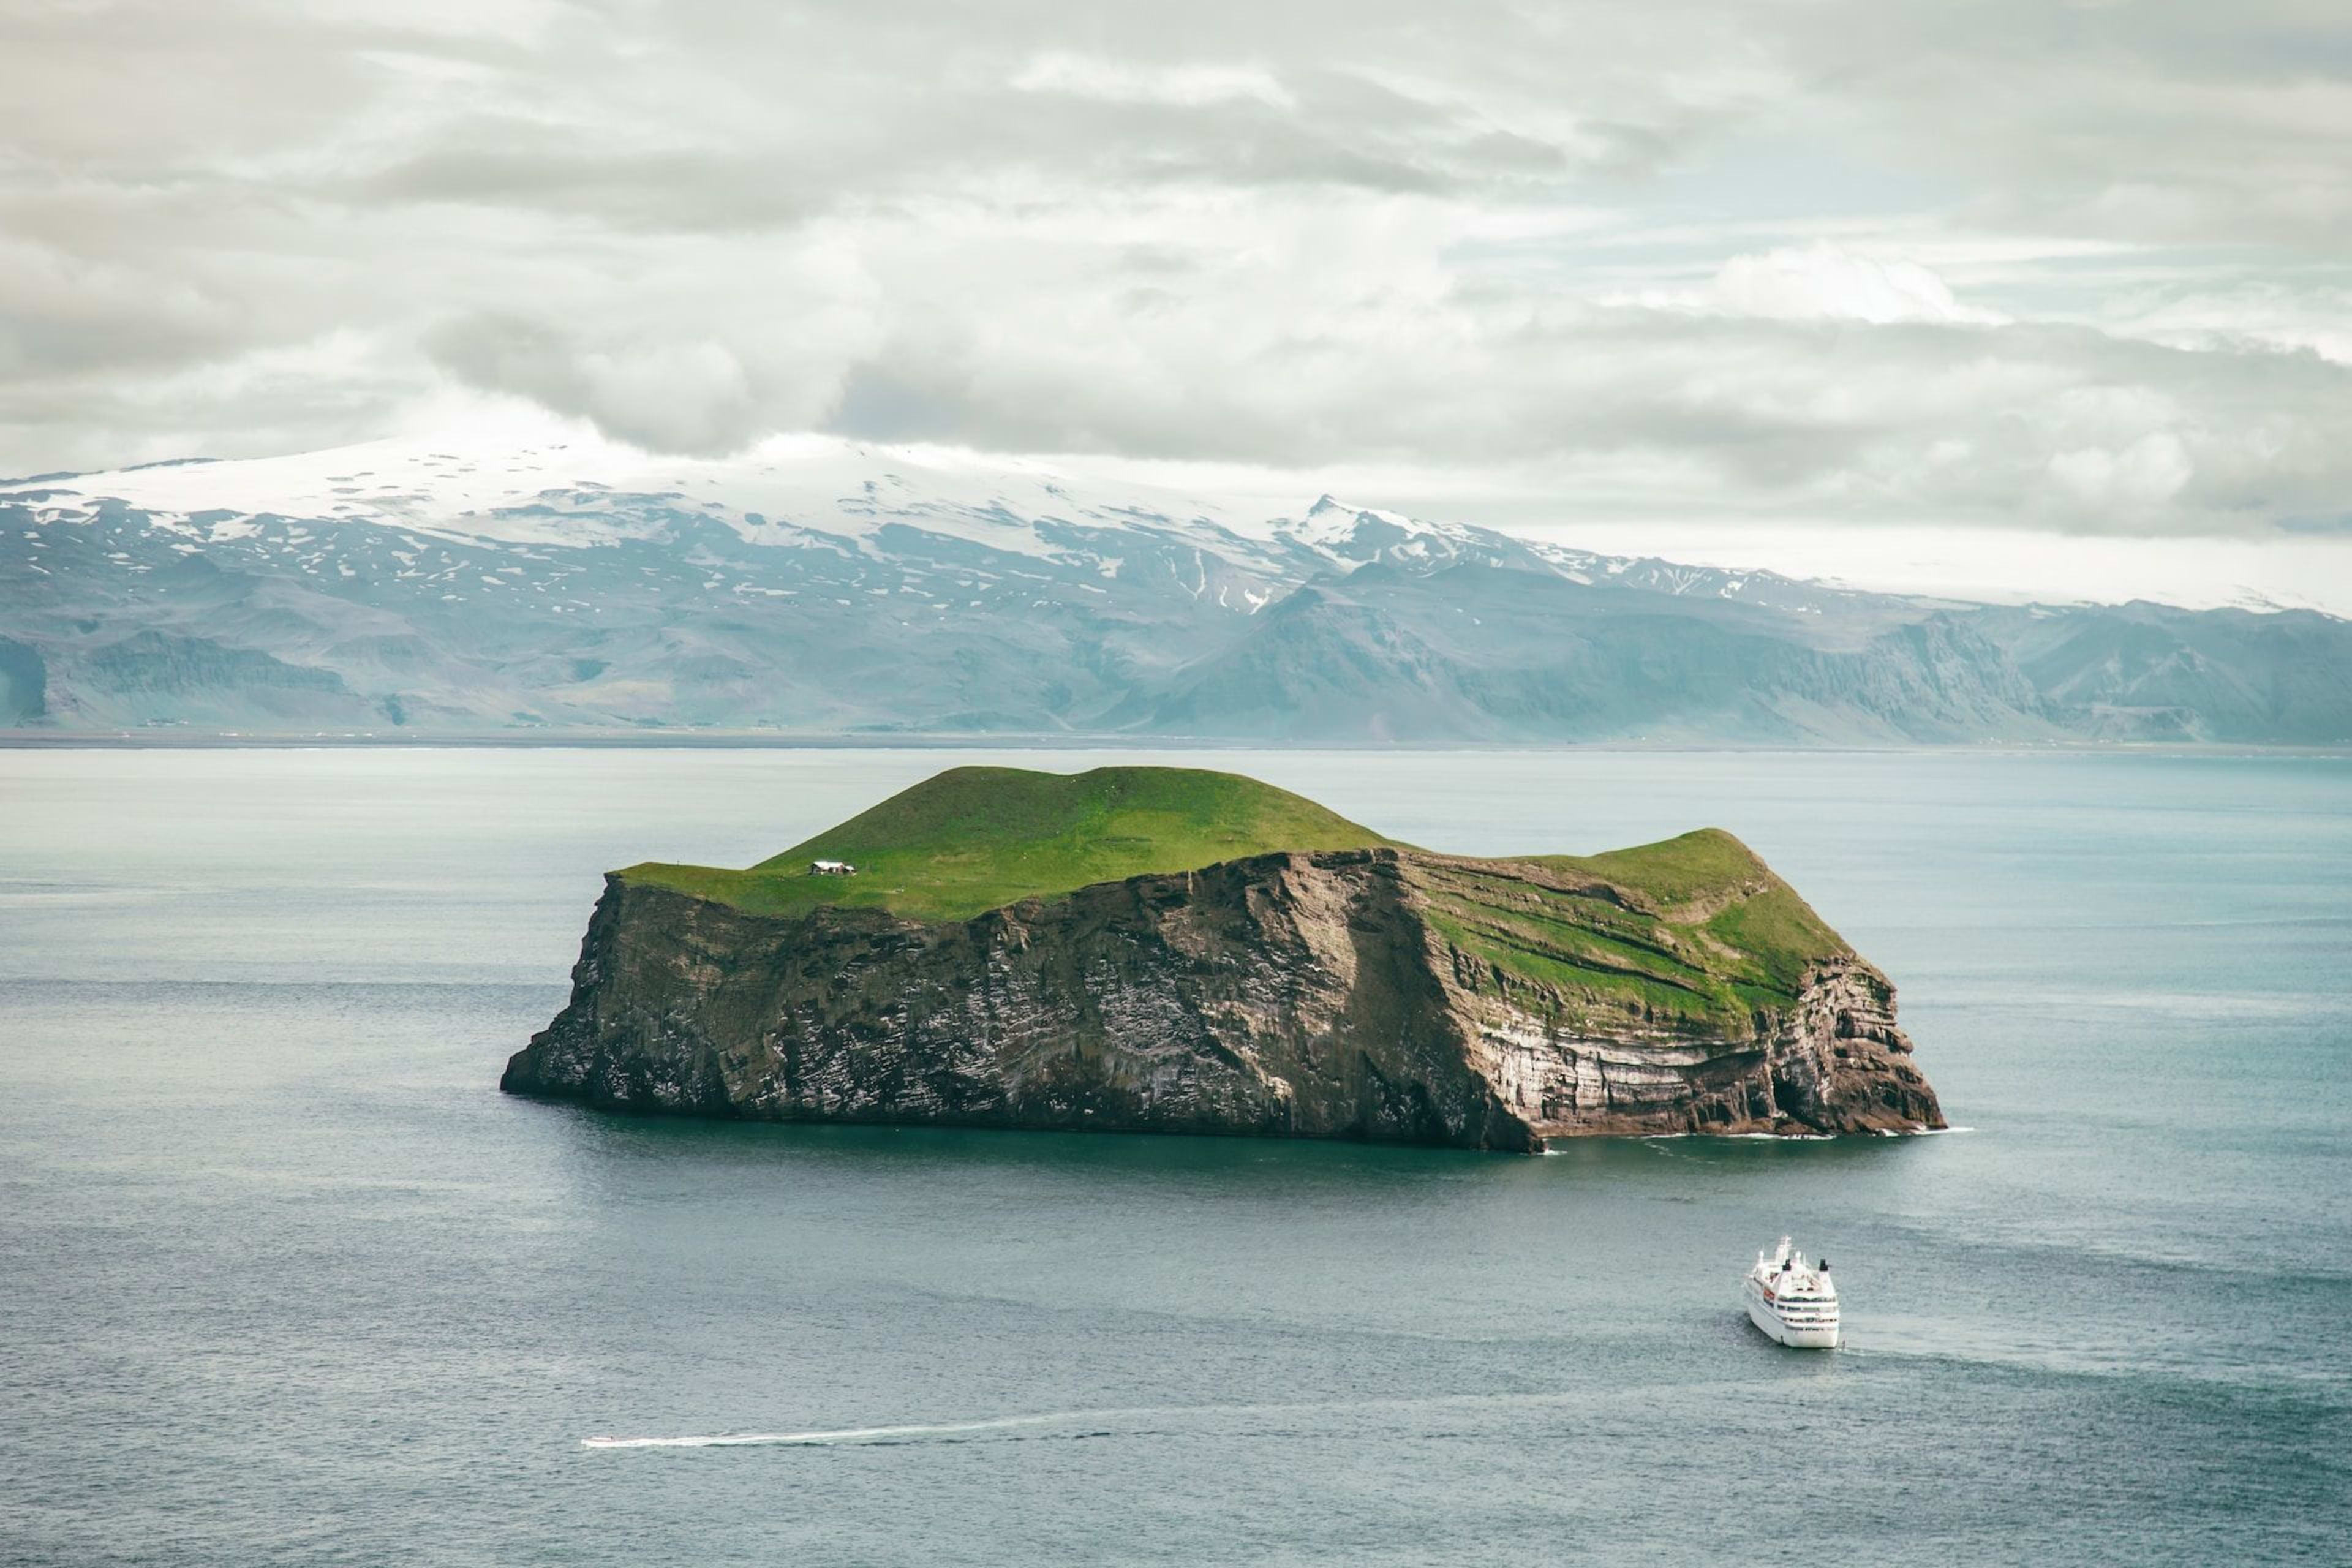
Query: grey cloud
[2170,121]
[914,137]
[1301,233]
[664,393]
[661,191]
[2062,425]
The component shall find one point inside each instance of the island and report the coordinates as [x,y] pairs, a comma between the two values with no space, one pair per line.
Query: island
[1175,950]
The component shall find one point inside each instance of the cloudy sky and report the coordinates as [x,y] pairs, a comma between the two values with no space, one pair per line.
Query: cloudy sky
[2072,279]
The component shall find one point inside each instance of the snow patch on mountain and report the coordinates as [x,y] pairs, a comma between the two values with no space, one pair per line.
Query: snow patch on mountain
[582,493]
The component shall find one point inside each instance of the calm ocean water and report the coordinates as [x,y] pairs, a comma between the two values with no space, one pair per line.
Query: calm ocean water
[283,1278]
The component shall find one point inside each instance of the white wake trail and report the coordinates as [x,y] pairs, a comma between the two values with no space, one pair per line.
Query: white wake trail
[851,1434]
[1089,1423]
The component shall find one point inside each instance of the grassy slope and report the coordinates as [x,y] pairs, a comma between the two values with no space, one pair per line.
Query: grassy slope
[1692,932]
[971,839]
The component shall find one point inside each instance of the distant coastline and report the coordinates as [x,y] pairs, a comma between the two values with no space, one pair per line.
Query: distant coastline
[835,593]
[174,740]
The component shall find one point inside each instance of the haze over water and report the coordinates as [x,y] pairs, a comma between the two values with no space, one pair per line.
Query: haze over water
[283,1279]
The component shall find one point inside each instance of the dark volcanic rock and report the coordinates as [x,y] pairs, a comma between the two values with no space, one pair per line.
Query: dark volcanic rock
[1287,994]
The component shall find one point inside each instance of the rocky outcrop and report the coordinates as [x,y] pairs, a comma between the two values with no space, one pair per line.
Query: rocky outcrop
[24,683]
[1287,994]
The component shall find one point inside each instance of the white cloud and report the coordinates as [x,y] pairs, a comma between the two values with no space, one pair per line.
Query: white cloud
[2001,565]
[2272,312]
[662,393]
[1817,282]
[1664,258]
[1116,82]
[1823,282]
[2148,473]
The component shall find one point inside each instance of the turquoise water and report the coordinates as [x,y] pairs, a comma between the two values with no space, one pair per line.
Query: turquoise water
[284,1279]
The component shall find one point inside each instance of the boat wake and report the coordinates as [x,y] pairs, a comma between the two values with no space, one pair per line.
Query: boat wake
[858,1434]
[1128,1421]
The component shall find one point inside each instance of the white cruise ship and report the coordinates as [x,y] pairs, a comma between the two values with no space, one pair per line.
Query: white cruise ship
[1794,1304]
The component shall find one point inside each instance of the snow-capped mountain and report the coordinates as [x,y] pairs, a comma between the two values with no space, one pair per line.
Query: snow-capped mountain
[815,585]
[797,493]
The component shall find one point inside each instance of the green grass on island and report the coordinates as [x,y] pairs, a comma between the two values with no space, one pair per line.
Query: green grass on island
[1695,929]
[973,839]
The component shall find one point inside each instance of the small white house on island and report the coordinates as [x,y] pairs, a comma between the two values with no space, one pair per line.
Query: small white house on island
[832,869]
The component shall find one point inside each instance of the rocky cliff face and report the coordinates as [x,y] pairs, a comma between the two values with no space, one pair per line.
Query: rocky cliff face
[1287,994]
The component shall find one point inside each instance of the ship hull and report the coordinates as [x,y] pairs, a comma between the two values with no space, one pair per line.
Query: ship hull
[1760,1313]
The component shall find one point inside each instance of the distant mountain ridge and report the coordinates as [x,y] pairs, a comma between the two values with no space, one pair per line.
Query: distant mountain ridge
[820,588]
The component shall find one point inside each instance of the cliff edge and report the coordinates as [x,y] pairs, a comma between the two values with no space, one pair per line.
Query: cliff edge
[1327,989]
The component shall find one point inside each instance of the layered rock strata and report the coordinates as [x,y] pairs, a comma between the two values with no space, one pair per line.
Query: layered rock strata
[1372,994]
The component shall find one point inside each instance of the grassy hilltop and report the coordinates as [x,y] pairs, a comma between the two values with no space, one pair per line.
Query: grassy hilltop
[972,839]
[1695,929]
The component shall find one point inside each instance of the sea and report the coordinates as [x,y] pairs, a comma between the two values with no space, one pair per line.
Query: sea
[284,1280]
